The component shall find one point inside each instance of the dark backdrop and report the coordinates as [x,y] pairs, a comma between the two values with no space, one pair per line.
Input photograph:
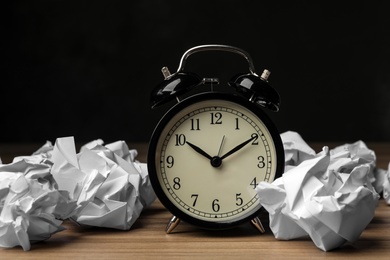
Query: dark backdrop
[86,68]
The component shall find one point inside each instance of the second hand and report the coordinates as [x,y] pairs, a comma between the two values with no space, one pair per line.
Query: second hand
[220,147]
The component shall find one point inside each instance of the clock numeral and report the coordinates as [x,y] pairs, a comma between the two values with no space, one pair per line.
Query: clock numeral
[239,200]
[180,139]
[215,206]
[254,183]
[196,198]
[195,125]
[256,136]
[216,118]
[237,128]
[261,163]
[170,161]
[176,183]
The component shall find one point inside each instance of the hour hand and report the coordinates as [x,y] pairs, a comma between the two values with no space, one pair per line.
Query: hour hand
[199,150]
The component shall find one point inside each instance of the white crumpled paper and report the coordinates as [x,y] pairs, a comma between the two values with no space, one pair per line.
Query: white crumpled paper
[328,196]
[101,186]
[386,186]
[111,188]
[31,207]
[296,150]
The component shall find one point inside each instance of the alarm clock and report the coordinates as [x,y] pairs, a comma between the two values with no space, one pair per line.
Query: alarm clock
[208,153]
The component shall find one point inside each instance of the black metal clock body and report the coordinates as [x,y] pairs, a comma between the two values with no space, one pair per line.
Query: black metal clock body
[208,153]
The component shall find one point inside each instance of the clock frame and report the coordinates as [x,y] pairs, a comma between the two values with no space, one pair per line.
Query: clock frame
[187,172]
[214,123]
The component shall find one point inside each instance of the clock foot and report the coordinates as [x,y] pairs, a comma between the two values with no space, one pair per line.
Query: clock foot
[257,223]
[172,224]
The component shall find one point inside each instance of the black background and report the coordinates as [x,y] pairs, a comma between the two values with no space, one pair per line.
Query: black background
[86,68]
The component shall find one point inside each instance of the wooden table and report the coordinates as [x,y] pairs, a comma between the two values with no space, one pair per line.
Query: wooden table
[147,238]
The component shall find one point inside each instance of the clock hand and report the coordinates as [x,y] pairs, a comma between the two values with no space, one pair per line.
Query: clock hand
[197,149]
[220,147]
[238,147]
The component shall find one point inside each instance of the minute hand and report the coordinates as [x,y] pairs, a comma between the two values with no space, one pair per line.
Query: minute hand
[238,147]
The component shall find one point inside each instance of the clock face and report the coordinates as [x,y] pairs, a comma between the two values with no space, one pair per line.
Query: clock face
[207,156]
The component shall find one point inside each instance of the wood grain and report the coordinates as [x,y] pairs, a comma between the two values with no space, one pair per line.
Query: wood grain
[147,238]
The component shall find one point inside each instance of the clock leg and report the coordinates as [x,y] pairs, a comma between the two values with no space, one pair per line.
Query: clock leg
[172,224]
[257,223]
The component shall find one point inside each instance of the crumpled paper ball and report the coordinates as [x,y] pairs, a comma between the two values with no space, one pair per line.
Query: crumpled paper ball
[111,188]
[386,186]
[328,197]
[346,157]
[31,207]
[101,186]
[296,150]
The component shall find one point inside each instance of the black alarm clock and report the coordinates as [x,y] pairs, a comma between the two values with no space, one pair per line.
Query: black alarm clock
[210,150]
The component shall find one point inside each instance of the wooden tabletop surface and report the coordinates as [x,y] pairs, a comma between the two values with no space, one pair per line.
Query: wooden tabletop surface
[147,237]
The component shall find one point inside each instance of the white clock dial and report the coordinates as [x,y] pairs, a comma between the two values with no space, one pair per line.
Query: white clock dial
[209,158]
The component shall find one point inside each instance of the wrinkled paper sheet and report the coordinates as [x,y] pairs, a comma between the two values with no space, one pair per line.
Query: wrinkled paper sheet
[386,186]
[328,196]
[100,186]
